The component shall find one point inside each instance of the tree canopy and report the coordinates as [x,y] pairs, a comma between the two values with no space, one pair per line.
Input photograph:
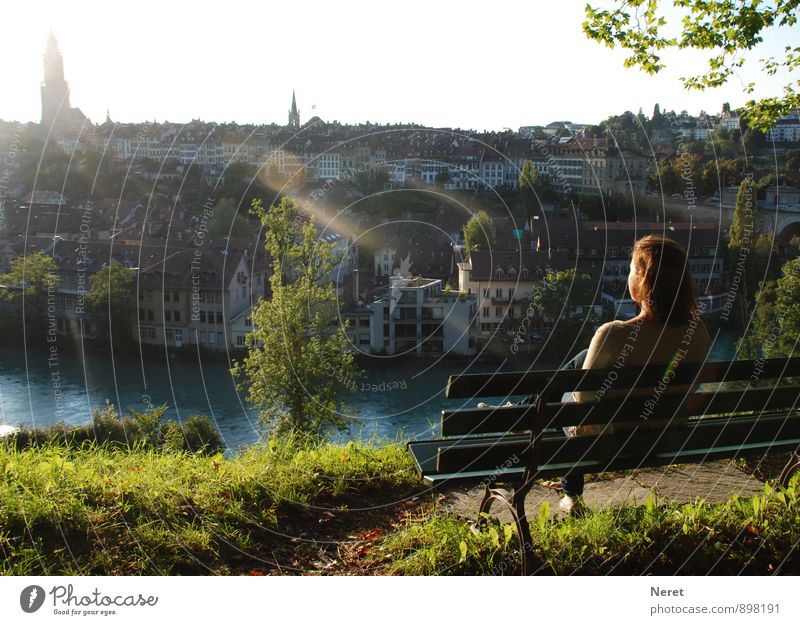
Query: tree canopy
[109,297]
[29,279]
[478,232]
[298,367]
[727,30]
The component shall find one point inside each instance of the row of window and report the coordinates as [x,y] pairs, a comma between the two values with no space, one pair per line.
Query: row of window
[498,293]
[205,297]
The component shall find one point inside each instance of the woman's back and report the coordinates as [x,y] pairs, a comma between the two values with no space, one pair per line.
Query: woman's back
[641,342]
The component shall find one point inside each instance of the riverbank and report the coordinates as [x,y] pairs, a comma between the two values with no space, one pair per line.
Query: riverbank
[396,398]
[356,508]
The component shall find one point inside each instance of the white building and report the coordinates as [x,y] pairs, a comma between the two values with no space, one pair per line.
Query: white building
[418,317]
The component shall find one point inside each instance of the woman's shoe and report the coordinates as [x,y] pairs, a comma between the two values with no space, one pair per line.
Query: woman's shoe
[572,505]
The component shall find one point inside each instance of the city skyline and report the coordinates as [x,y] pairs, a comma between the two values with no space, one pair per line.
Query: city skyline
[466,80]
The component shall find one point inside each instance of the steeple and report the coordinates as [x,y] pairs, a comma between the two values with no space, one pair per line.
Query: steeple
[53,62]
[55,90]
[294,114]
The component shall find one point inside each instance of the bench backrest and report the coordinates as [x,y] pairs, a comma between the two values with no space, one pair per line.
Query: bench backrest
[648,397]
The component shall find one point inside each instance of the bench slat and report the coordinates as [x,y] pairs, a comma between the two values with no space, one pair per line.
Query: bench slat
[474,385]
[489,454]
[554,470]
[520,418]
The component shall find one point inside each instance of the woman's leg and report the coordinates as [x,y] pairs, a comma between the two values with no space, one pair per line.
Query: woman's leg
[572,482]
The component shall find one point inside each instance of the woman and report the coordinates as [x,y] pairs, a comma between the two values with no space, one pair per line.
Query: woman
[662,286]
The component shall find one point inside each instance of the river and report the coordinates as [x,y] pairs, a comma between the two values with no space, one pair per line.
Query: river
[398,400]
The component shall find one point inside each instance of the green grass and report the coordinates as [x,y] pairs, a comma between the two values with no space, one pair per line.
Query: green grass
[106,511]
[111,510]
[752,536]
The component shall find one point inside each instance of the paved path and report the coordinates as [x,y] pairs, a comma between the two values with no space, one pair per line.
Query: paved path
[713,481]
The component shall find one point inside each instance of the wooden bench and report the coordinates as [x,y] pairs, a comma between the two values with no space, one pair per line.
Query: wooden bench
[508,448]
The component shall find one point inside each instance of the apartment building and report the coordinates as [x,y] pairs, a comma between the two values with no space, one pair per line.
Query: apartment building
[503,282]
[417,317]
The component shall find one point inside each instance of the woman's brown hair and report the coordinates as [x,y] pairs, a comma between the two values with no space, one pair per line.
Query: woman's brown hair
[663,280]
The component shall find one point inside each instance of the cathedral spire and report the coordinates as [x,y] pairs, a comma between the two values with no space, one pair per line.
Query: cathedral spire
[294,114]
[55,90]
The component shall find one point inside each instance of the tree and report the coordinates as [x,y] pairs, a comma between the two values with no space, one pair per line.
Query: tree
[564,298]
[31,279]
[478,232]
[109,297]
[530,186]
[227,220]
[298,366]
[727,30]
[748,253]
[776,322]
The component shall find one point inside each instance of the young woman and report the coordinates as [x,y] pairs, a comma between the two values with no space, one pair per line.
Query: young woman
[662,286]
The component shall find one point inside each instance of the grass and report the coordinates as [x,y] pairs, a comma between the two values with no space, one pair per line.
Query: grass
[742,536]
[107,511]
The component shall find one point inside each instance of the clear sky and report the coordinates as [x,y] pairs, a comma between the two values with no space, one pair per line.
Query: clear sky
[479,65]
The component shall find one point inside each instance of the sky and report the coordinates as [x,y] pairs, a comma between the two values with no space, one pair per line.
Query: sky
[471,65]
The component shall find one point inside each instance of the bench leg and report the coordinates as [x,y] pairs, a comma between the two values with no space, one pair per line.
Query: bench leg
[789,470]
[515,503]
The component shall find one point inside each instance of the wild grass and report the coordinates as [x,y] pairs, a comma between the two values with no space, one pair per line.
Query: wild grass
[106,510]
[742,536]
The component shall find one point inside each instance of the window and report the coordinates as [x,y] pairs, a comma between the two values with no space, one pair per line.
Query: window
[523,273]
[220,339]
[499,272]
[176,316]
[498,311]
[203,336]
[169,334]
[167,315]
[486,311]
[219,318]
[498,293]
[248,322]
[166,296]
[240,340]
[179,336]
[486,292]
[176,296]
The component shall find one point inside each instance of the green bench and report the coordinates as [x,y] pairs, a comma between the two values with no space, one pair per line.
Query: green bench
[507,448]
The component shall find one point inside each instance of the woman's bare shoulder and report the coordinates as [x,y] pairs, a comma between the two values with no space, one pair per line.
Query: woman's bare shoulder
[611,327]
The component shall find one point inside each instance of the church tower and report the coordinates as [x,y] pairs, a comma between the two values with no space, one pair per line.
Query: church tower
[294,114]
[55,90]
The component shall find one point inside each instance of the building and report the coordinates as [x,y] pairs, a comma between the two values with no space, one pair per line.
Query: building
[417,317]
[786,129]
[56,109]
[294,114]
[503,282]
